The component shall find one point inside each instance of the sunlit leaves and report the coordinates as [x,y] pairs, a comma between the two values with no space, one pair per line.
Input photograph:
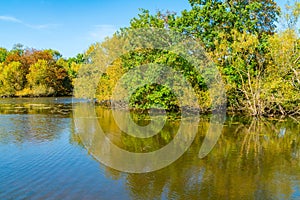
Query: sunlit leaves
[47,79]
[11,78]
[31,72]
[282,85]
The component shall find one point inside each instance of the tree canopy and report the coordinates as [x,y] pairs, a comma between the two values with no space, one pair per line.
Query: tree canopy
[240,36]
[32,72]
[259,63]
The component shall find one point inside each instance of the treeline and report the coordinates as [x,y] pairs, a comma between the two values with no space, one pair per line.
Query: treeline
[259,64]
[27,72]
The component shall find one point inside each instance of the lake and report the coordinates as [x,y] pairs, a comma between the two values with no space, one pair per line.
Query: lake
[42,156]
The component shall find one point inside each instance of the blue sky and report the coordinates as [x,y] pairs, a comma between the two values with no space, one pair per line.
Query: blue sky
[70,26]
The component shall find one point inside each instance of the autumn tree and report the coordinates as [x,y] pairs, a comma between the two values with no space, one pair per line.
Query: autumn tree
[48,79]
[11,78]
[97,59]
[282,85]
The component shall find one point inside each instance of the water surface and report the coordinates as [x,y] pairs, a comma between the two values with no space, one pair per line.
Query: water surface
[43,157]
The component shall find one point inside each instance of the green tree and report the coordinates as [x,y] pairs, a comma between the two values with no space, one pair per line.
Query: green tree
[55,54]
[158,20]
[74,64]
[18,48]
[3,54]
[208,18]
[242,67]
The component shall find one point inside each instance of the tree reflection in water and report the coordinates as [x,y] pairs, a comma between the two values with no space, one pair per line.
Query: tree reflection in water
[252,159]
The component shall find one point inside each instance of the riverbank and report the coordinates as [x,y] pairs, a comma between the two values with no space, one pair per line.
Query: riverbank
[234,112]
[40,148]
[121,105]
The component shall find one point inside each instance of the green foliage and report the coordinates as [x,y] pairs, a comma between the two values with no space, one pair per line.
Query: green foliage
[55,54]
[260,67]
[153,95]
[240,38]
[208,19]
[159,20]
[18,48]
[3,54]
[71,65]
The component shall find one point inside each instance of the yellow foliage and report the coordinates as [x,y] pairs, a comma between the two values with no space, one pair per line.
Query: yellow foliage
[108,80]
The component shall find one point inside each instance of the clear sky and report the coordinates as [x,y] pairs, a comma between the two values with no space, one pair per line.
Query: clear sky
[70,26]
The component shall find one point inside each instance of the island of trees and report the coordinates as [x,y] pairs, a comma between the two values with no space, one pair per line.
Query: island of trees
[259,61]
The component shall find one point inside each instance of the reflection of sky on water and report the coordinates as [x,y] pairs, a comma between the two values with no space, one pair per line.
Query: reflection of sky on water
[17,128]
[42,157]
